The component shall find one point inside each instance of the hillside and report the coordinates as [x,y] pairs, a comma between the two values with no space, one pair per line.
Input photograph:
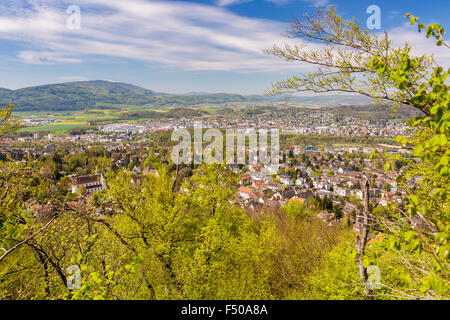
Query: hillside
[95,94]
[373,112]
[324,100]
[5,95]
[75,95]
[105,94]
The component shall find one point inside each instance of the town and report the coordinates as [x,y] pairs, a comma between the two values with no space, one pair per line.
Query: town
[322,175]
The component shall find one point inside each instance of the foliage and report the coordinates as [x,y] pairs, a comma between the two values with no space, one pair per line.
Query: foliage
[295,209]
[415,235]
[7,123]
[335,277]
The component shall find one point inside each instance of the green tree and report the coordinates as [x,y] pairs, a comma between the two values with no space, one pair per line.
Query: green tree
[295,209]
[7,123]
[355,61]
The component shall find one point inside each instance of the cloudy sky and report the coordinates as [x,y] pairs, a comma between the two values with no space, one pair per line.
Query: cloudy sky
[176,46]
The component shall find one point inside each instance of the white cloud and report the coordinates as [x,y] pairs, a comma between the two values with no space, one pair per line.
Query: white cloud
[318,3]
[419,43]
[177,35]
[45,57]
[224,3]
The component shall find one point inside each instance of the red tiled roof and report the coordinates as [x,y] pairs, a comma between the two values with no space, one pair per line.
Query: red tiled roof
[245,190]
[301,200]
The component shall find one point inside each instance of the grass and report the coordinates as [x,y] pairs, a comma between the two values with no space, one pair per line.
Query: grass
[57,128]
[74,119]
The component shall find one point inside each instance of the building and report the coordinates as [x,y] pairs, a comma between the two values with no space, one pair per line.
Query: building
[358,193]
[91,183]
[245,192]
[286,180]
[298,199]
[342,192]
[245,179]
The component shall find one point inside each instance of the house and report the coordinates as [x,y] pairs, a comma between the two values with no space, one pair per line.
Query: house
[273,186]
[300,182]
[386,197]
[246,193]
[245,179]
[322,184]
[91,183]
[298,199]
[286,180]
[379,183]
[342,192]
[374,192]
[358,193]
[277,196]
[258,183]
[324,193]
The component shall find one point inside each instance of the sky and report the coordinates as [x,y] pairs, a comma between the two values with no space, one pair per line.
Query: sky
[178,46]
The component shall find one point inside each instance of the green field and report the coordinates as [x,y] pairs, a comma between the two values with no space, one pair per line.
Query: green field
[68,120]
[57,128]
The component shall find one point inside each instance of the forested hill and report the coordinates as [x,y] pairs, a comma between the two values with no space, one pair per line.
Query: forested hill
[95,94]
[105,94]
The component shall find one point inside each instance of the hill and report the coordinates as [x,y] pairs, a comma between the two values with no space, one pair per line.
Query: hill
[75,95]
[99,94]
[324,100]
[106,94]
[5,95]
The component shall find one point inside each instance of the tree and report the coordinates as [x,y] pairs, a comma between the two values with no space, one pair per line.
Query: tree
[355,61]
[334,278]
[295,209]
[82,191]
[346,61]
[7,123]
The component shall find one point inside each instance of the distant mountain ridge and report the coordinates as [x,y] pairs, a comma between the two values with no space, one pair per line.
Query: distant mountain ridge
[75,95]
[105,94]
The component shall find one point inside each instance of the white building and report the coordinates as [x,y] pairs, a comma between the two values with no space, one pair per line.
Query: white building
[91,183]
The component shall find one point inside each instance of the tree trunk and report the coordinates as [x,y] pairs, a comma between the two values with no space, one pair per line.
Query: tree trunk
[361,240]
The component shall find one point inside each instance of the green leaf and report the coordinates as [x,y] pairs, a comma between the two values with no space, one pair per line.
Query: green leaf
[440,140]
[388,166]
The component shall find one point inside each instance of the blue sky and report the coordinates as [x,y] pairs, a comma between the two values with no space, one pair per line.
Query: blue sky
[177,46]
